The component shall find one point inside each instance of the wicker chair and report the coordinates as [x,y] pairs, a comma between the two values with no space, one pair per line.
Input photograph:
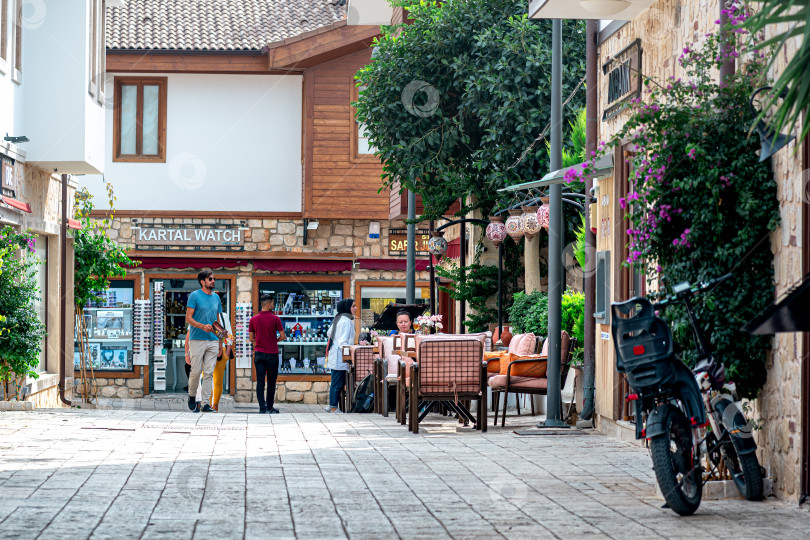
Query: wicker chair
[361,358]
[448,371]
[528,376]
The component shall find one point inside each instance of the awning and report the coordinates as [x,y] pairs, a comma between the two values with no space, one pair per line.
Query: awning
[182,262]
[293,265]
[603,167]
[14,203]
[74,224]
[788,315]
[390,264]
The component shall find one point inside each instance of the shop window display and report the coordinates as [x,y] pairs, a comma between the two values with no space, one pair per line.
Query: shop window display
[373,300]
[306,311]
[109,326]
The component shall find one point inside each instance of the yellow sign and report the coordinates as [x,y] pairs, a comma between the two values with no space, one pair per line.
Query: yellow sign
[399,243]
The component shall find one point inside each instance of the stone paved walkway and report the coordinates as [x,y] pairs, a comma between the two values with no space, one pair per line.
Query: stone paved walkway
[308,474]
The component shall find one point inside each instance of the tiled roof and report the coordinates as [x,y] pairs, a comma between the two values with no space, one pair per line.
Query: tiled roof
[215,25]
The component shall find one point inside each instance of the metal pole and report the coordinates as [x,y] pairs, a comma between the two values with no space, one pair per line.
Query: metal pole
[500,289]
[591,106]
[554,398]
[410,265]
[462,264]
[432,274]
[63,291]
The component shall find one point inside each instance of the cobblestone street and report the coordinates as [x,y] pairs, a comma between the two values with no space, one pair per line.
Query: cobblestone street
[308,474]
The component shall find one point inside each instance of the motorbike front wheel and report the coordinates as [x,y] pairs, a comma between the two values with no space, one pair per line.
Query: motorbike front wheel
[678,474]
[745,471]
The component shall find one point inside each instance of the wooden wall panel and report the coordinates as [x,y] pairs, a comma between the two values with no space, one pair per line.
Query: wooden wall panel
[338,183]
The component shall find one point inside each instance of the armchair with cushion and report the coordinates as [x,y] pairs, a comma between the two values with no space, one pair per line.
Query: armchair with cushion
[527,375]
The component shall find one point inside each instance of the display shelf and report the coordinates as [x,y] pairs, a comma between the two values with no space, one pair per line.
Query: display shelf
[107,340]
[107,308]
[324,316]
[298,343]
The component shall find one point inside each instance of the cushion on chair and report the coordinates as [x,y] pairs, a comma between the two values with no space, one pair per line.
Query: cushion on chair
[522,344]
[494,360]
[533,369]
[516,383]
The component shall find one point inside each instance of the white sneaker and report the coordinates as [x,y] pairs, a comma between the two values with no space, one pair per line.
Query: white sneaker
[328,409]
[338,411]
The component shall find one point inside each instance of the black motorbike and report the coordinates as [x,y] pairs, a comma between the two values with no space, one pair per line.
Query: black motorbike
[672,401]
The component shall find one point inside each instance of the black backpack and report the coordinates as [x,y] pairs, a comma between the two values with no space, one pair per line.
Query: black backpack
[364,396]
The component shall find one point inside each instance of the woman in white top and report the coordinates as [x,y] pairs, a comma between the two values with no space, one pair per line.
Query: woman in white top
[341,333]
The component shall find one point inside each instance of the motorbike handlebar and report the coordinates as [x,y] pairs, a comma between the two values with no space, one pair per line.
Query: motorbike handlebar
[684,289]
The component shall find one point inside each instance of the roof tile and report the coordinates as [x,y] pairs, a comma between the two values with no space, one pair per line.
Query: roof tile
[215,25]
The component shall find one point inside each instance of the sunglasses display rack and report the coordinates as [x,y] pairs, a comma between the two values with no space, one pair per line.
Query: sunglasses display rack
[159,365]
[141,332]
[159,316]
[243,347]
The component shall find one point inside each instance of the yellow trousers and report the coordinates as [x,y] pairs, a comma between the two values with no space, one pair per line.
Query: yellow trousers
[219,377]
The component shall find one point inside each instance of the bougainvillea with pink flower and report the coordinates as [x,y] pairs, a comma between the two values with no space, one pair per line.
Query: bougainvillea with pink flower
[699,202]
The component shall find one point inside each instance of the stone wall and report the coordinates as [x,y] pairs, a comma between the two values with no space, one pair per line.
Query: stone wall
[665,29]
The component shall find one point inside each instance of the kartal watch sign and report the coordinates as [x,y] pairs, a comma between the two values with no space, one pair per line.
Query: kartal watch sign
[216,237]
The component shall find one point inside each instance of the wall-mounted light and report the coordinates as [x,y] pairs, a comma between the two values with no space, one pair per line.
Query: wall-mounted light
[604,7]
[374,229]
[313,225]
[15,140]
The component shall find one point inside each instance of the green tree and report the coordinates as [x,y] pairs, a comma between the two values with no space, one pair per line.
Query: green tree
[789,19]
[98,257]
[21,331]
[454,101]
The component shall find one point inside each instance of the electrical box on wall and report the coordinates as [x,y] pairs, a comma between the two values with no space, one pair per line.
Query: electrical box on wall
[602,308]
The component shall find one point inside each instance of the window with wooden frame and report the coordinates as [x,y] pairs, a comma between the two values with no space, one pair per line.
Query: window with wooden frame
[3,36]
[361,148]
[16,41]
[139,119]
[96,49]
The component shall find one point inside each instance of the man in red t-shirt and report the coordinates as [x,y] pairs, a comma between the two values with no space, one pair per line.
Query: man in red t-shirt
[263,328]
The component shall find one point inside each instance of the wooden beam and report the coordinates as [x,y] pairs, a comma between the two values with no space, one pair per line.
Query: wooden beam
[118,62]
[321,48]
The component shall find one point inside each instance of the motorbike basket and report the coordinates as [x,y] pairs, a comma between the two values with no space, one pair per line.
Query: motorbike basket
[641,339]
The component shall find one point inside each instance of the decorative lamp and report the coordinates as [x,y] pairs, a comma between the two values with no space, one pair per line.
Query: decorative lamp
[529,221]
[496,230]
[437,245]
[542,213]
[514,224]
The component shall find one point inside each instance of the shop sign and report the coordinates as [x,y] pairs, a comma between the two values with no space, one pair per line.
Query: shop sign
[190,237]
[8,179]
[623,72]
[398,241]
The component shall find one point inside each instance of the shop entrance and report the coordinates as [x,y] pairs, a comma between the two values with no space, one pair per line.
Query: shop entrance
[175,298]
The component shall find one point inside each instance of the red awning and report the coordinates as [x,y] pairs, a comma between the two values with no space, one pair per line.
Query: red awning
[73,224]
[19,205]
[453,249]
[390,264]
[183,262]
[293,265]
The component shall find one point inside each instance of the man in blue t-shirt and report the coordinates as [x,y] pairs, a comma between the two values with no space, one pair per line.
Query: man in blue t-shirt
[203,308]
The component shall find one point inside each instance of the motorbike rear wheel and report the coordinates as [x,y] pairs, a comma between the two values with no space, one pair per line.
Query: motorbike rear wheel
[745,471]
[678,474]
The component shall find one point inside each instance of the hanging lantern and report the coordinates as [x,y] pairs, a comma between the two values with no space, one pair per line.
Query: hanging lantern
[514,225]
[542,213]
[437,245]
[496,230]
[531,225]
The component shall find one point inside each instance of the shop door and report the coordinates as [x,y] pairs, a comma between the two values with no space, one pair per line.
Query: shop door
[176,291]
